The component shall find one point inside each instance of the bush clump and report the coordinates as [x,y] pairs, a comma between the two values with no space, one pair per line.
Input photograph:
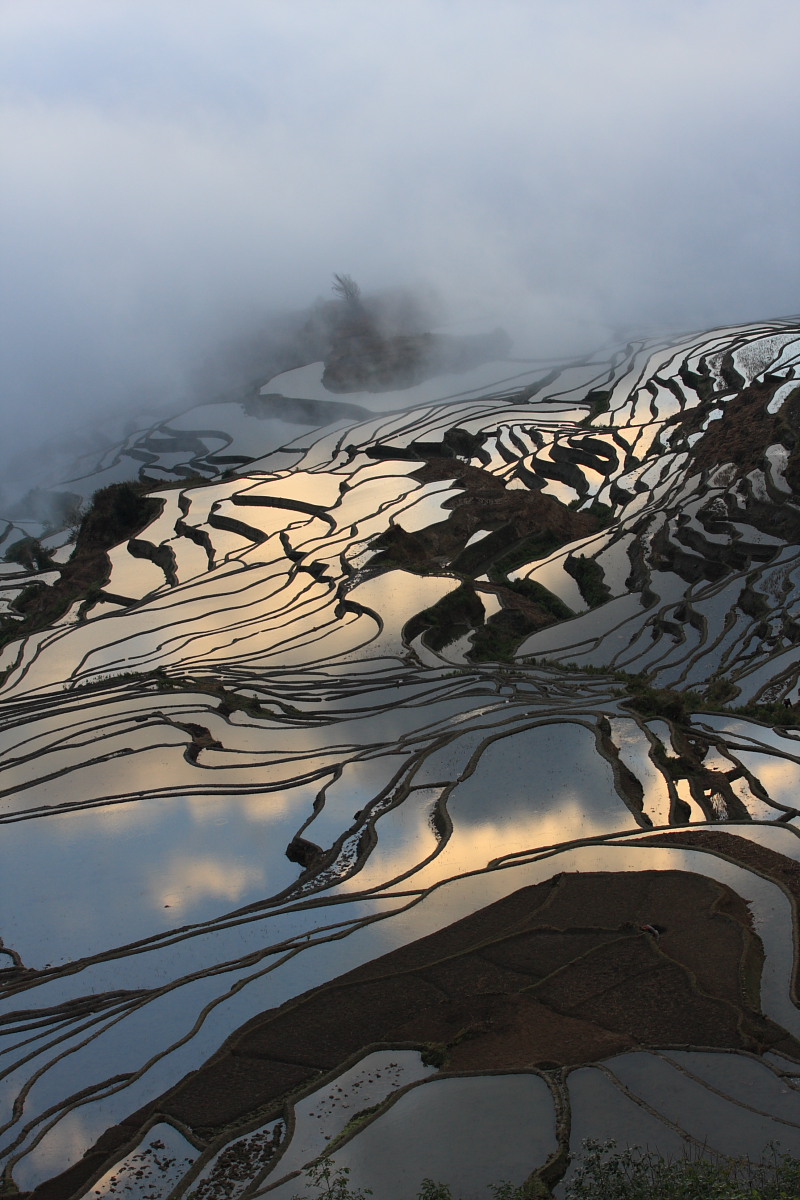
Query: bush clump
[30,554]
[634,1174]
[599,399]
[498,639]
[605,1172]
[449,619]
[538,594]
[721,691]
[662,702]
[769,714]
[590,579]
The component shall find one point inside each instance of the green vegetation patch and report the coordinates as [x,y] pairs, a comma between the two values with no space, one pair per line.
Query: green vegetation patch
[536,545]
[678,706]
[702,384]
[603,512]
[606,1172]
[590,578]
[599,400]
[538,594]
[498,639]
[449,619]
[770,714]
[721,691]
[30,554]
[662,702]
[753,604]
[634,1174]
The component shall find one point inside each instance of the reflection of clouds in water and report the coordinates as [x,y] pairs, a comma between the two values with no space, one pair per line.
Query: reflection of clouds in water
[264,809]
[102,876]
[136,775]
[537,771]
[780,777]
[533,787]
[64,1143]
[107,820]
[184,880]
[473,848]
[405,838]
[397,596]
[523,760]
[469,849]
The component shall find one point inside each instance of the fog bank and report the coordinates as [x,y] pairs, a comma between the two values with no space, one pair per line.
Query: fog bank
[177,175]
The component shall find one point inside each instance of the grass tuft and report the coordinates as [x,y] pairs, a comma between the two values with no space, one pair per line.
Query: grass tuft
[606,1172]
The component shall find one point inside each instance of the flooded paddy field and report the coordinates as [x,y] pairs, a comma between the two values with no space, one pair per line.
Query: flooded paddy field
[421,787]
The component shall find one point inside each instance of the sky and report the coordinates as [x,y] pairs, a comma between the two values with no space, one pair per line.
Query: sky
[176,173]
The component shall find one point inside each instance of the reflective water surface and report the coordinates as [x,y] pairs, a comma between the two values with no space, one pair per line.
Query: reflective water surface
[345,724]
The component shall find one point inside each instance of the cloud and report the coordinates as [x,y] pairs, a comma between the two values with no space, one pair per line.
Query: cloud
[174,173]
[187,881]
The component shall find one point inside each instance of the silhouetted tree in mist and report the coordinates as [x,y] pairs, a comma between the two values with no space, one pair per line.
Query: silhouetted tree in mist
[348,290]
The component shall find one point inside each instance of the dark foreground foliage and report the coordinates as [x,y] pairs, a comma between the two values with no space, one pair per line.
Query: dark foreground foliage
[605,1172]
[633,1174]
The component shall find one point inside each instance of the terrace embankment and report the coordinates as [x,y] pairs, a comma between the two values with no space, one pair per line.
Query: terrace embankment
[118,512]
[517,527]
[557,974]
[749,428]
[522,524]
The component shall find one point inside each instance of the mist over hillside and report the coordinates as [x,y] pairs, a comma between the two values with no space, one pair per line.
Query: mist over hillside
[409,768]
[399,593]
[176,178]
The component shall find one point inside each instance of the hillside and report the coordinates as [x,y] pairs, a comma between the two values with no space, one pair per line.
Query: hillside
[413,773]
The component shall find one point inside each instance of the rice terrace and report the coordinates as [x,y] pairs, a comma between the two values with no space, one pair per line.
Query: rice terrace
[401,763]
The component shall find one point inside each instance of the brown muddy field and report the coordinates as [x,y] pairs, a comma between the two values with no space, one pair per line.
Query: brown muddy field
[558,974]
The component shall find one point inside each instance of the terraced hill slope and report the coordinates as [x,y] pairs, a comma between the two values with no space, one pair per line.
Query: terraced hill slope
[418,769]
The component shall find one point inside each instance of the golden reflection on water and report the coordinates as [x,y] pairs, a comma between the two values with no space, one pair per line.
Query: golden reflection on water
[780,776]
[397,596]
[184,879]
[64,1143]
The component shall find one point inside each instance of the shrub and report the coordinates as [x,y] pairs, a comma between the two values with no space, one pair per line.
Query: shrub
[30,554]
[331,1182]
[449,619]
[663,702]
[606,1172]
[634,1174]
[538,594]
[721,690]
[590,579]
[599,400]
